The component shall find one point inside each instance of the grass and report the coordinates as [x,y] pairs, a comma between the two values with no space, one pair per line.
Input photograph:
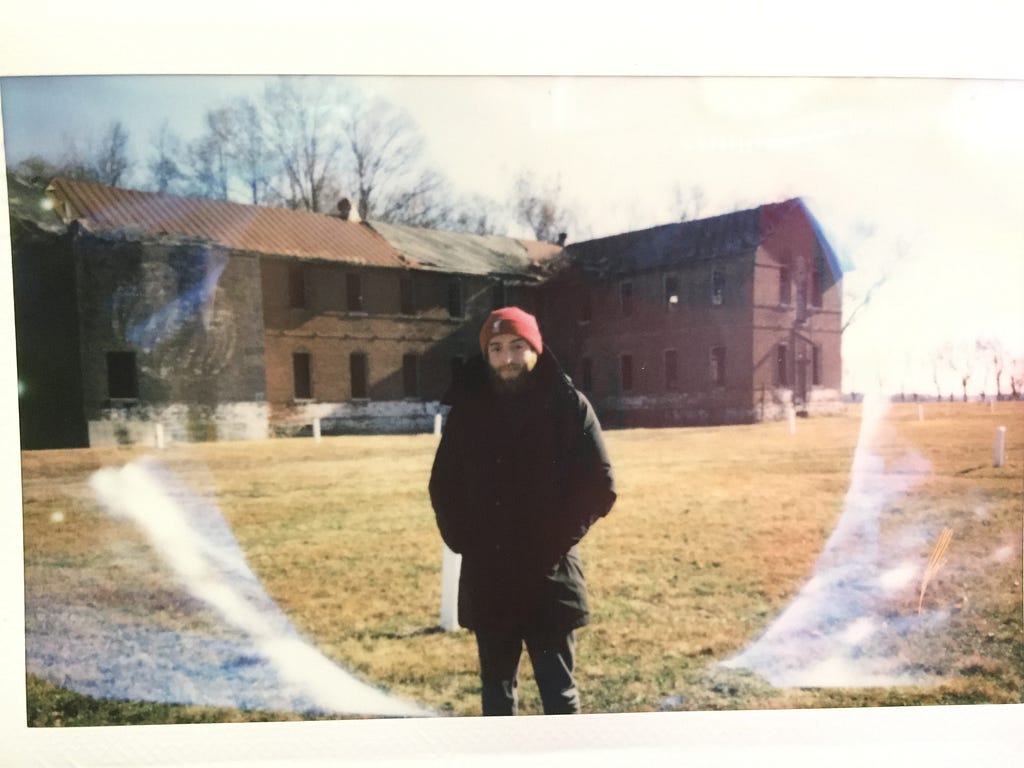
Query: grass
[716,529]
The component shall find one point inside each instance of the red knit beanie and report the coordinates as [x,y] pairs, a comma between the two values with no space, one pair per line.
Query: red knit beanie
[515,321]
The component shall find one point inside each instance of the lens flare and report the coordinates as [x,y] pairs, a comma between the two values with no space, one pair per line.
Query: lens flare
[192,537]
[832,633]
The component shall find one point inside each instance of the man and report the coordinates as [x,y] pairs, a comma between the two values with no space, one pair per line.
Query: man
[520,475]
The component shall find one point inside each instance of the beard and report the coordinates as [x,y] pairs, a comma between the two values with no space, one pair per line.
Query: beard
[510,380]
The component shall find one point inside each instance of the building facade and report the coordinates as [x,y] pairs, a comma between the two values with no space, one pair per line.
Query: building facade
[187,319]
[729,319]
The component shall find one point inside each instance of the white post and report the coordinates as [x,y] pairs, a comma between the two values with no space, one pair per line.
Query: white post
[160,435]
[450,565]
[1000,448]
[316,429]
[437,423]
[920,412]
[792,420]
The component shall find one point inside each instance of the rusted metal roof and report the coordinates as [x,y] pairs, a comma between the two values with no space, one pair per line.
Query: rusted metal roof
[273,231]
[463,253]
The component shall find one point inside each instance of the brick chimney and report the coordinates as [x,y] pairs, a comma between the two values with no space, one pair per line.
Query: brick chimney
[344,208]
[561,238]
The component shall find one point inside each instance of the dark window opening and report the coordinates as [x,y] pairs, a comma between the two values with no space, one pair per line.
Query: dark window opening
[801,298]
[785,287]
[296,286]
[406,301]
[455,306]
[627,372]
[122,376]
[816,365]
[717,286]
[626,298]
[782,365]
[353,293]
[357,371]
[718,366]
[301,374]
[671,291]
[410,375]
[586,374]
[498,298]
[671,369]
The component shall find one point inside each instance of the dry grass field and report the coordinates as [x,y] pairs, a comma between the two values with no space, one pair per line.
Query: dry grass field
[715,531]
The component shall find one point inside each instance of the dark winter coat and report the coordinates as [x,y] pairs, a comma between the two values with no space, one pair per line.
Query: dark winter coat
[516,483]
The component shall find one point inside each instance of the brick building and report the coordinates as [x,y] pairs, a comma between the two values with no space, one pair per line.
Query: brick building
[217,320]
[729,319]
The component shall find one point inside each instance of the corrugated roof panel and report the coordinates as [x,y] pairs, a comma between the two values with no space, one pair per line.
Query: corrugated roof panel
[466,253]
[258,229]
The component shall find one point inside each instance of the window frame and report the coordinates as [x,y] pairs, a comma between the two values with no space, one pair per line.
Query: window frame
[785,287]
[671,305]
[717,361]
[586,374]
[122,369]
[354,292]
[306,376]
[782,378]
[717,287]
[364,380]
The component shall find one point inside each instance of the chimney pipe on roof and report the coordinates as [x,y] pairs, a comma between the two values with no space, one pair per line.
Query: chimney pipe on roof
[344,208]
[561,238]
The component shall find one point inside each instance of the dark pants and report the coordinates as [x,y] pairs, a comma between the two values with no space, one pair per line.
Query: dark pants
[553,657]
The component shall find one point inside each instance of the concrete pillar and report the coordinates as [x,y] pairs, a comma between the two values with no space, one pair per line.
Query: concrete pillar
[450,565]
[316,429]
[1000,447]
[791,415]
[159,429]
[437,423]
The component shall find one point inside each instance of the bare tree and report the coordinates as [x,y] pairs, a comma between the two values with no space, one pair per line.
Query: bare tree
[210,156]
[962,358]
[992,352]
[858,302]
[477,215]
[111,159]
[541,209]
[250,152]
[208,168]
[1016,377]
[164,169]
[305,135]
[37,169]
[938,365]
[385,172]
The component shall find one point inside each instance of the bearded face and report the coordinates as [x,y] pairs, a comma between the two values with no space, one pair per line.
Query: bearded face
[510,359]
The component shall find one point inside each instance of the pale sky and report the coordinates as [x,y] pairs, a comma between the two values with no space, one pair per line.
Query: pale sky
[929,168]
